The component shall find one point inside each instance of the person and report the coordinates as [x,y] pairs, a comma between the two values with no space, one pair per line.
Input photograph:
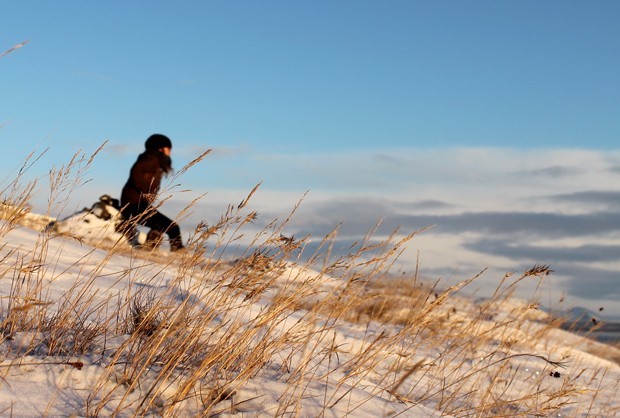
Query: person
[140,192]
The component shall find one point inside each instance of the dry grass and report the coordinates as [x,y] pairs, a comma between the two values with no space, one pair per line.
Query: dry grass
[194,346]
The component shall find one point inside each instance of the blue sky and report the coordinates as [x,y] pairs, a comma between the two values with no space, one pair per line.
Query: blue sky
[410,111]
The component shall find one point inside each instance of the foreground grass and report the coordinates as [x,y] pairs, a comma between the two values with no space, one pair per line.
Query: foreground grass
[328,336]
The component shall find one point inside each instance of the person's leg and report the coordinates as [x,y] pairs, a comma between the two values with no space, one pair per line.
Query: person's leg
[128,225]
[160,222]
[133,215]
[153,239]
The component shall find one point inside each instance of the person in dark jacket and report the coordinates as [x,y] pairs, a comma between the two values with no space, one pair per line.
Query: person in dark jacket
[140,192]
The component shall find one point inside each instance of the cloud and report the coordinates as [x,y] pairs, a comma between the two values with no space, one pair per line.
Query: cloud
[116,149]
[593,283]
[533,225]
[482,178]
[608,199]
[555,254]
[360,214]
[462,244]
[554,172]
[424,205]
[357,216]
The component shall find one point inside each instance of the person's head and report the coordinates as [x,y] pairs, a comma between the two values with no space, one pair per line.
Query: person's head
[159,142]
[163,145]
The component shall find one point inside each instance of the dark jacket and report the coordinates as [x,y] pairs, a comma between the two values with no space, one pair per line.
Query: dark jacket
[145,178]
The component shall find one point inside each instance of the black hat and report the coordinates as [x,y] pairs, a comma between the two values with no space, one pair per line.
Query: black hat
[157,141]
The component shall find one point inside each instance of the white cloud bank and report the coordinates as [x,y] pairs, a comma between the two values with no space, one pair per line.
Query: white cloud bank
[497,208]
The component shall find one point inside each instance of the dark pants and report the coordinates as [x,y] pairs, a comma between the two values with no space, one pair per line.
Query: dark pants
[140,214]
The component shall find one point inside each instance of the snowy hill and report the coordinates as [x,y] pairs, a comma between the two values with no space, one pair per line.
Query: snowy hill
[90,331]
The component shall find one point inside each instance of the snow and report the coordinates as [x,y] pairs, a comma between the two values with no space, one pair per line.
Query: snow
[461,356]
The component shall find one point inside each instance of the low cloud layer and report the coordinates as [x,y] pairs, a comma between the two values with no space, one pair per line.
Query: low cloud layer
[499,209]
[592,198]
[359,216]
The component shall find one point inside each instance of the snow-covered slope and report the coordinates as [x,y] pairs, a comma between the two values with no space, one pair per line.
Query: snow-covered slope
[65,350]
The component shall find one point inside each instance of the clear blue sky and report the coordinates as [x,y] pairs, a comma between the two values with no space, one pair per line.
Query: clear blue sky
[440,107]
[289,76]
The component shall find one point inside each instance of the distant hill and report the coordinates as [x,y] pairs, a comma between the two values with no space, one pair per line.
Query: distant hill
[587,322]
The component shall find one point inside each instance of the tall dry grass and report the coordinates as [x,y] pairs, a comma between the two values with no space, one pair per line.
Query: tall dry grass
[193,341]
